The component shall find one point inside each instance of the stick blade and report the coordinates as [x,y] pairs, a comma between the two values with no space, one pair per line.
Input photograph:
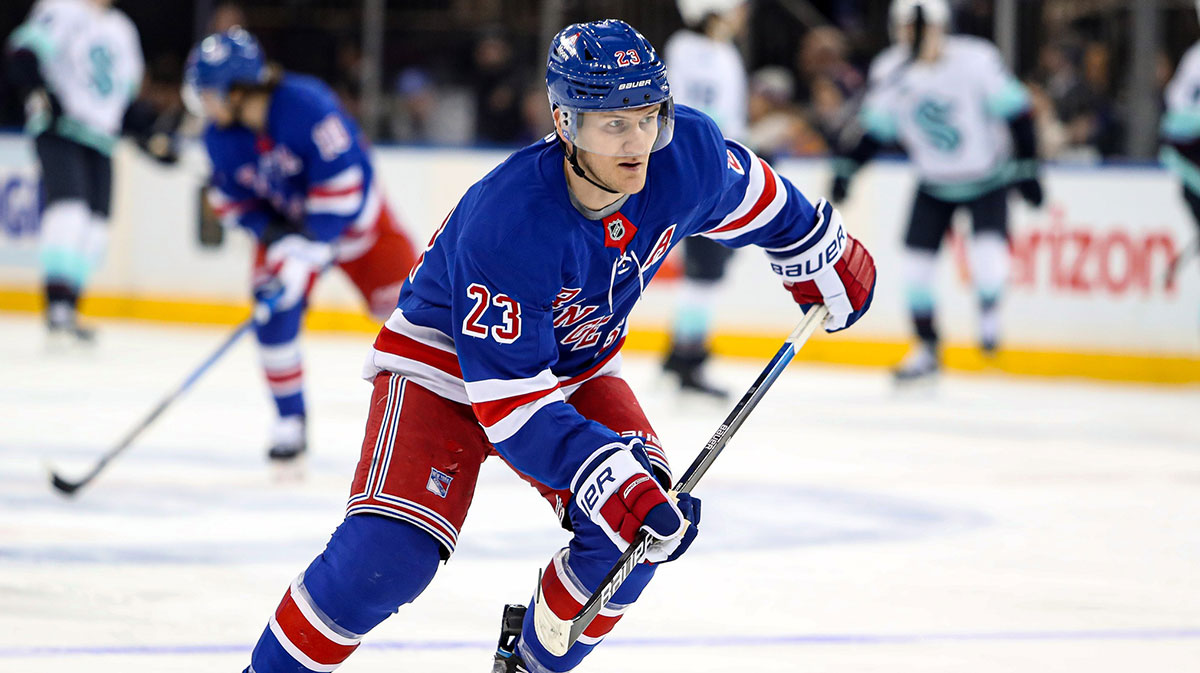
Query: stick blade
[63,486]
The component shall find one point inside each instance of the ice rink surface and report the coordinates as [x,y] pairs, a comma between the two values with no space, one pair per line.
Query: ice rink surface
[990,524]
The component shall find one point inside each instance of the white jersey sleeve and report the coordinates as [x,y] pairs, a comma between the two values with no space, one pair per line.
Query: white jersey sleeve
[710,76]
[91,59]
[1181,123]
[881,105]
[1182,120]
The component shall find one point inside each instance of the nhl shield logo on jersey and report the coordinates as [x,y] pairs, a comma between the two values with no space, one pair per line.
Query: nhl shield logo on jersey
[619,232]
[439,482]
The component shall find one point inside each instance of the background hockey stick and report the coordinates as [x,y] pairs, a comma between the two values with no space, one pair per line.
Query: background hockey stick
[1183,256]
[558,635]
[67,487]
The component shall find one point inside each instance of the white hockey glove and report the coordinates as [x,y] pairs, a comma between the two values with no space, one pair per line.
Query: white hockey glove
[831,268]
[294,262]
[615,489]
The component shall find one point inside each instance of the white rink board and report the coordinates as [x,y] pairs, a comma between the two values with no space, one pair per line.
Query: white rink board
[1088,268]
[995,526]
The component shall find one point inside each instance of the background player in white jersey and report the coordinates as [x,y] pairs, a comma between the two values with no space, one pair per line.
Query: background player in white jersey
[1180,128]
[962,117]
[707,73]
[79,65]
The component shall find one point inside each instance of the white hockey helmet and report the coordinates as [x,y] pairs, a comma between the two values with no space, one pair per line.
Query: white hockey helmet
[694,11]
[935,12]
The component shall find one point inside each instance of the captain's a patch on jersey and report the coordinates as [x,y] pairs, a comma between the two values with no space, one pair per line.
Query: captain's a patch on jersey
[439,482]
[734,164]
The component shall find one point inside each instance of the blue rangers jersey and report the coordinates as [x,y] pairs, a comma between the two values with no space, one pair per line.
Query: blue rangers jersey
[309,166]
[520,297]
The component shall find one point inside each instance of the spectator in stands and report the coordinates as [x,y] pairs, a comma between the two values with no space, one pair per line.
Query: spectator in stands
[830,81]
[498,87]
[226,15]
[776,126]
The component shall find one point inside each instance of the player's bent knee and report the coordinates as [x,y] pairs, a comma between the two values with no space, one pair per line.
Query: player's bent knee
[371,566]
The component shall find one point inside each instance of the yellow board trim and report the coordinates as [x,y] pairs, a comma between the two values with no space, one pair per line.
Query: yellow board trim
[1143,368]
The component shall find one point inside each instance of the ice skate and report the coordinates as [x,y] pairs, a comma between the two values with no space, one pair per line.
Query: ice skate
[289,445]
[921,365]
[507,660]
[63,329]
[689,369]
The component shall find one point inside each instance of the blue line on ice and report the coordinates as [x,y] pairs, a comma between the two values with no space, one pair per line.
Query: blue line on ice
[662,643]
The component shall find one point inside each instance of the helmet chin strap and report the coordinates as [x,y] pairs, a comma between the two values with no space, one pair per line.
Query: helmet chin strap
[573,159]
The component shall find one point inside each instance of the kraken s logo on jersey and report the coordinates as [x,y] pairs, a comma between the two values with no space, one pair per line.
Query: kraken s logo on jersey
[933,118]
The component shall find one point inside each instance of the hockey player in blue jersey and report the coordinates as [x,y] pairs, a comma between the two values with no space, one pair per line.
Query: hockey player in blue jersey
[292,168]
[506,340]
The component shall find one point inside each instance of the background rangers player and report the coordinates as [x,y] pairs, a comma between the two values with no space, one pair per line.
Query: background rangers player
[291,167]
[79,65]
[506,339]
[953,106]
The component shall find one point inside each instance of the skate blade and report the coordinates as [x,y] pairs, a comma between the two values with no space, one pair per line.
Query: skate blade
[288,471]
[922,386]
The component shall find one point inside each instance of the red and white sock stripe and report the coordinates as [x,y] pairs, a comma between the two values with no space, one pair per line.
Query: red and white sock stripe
[564,594]
[307,635]
[282,366]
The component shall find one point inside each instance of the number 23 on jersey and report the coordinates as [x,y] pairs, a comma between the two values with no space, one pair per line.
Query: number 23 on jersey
[510,319]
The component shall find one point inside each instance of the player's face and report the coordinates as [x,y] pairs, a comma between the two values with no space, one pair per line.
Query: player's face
[216,107]
[619,133]
[931,41]
[614,146]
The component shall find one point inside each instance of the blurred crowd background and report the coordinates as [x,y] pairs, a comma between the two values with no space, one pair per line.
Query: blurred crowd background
[469,72]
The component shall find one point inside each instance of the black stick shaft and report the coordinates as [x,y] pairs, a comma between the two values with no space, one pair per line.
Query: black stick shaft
[636,553]
[71,486]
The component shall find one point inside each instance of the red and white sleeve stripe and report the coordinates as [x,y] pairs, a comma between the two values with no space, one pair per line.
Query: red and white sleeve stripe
[503,406]
[226,208]
[765,197]
[341,194]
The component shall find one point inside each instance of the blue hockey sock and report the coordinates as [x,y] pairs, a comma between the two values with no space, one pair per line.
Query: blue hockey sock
[371,566]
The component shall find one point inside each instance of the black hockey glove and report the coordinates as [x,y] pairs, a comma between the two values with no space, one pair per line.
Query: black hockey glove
[1031,190]
[839,189]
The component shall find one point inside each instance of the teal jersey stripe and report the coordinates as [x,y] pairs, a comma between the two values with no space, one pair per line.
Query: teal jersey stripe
[1011,101]
[1181,125]
[1188,172]
[34,38]
[880,124]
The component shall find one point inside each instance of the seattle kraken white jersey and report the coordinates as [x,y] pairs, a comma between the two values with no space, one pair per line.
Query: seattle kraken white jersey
[950,116]
[709,75]
[1181,123]
[91,59]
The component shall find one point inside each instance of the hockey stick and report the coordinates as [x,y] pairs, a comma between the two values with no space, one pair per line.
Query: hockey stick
[1183,256]
[558,635]
[67,487]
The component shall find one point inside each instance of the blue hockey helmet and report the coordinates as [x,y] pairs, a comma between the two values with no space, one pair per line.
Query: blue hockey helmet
[220,61]
[605,66]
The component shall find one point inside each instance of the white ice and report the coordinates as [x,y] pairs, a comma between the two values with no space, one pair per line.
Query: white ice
[992,524]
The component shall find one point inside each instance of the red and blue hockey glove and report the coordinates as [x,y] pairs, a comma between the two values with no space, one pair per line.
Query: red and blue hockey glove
[293,262]
[828,267]
[616,490]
